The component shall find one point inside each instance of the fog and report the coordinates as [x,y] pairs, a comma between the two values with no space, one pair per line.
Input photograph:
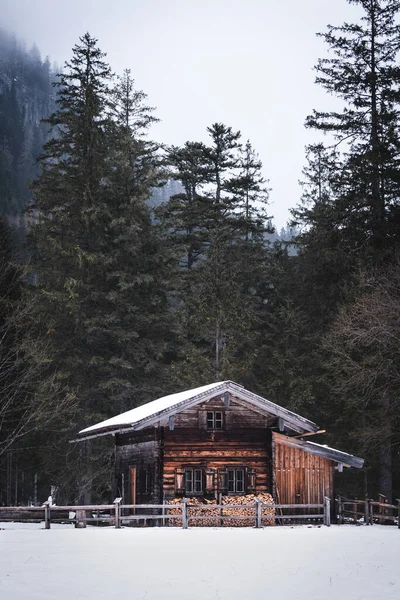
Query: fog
[247,64]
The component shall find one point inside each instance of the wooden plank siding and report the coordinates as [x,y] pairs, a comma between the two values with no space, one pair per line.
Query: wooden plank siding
[237,416]
[161,452]
[300,477]
[141,450]
[215,450]
[242,442]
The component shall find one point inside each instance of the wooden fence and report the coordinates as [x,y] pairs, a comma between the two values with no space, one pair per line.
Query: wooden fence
[368,511]
[348,511]
[119,514]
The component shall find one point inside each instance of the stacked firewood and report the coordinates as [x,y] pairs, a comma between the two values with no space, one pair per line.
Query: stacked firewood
[196,511]
[197,508]
[267,512]
[243,500]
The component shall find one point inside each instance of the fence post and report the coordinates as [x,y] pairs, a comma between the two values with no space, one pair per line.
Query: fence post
[47,516]
[340,510]
[366,510]
[327,511]
[355,512]
[185,520]
[382,500]
[258,507]
[117,504]
[371,511]
[80,519]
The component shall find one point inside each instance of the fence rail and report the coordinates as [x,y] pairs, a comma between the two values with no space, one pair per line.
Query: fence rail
[118,513]
[349,510]
[368,511]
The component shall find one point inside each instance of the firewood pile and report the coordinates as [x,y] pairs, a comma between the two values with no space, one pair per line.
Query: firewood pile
[210,521]
[212,515]
[243,500]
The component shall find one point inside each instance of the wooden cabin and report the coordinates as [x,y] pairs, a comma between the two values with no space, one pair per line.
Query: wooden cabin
[219,438]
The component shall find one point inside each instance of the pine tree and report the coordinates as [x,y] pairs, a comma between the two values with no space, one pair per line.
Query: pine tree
[70,205]
[351,201]
[132,317]
[328,253]
[251,193]
[365,75]
[97,261]
[218,228]
[183,215]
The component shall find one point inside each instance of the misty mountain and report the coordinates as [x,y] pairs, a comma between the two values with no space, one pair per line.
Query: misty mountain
[163,194]
[285,237]
[26,97]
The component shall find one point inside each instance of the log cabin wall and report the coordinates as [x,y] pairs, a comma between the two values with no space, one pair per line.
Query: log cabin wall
[163,453]
[140,450]
[242,442]
[300,477]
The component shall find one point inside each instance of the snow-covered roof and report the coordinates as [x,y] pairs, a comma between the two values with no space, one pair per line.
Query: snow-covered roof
[135,415]
[337,455]
[152,412]
[323,450]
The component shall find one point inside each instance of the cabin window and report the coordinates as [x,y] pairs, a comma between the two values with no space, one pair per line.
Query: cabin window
[235,480]
[193,481]
[214,420]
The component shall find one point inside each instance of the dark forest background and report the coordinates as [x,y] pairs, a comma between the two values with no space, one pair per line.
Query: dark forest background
[130,270]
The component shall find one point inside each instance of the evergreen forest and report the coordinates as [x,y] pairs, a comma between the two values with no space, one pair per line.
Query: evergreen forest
[130,269]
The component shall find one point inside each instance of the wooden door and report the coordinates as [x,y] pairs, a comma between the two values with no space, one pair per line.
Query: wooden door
[133,484]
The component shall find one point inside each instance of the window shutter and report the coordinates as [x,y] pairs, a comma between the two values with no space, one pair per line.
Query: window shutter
[222,481]
[209,481]
[180,482]
[251,481]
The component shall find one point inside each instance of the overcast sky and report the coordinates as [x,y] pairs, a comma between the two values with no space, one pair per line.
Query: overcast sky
[246,63]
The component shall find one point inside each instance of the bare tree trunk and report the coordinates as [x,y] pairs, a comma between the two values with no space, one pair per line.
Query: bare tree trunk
[16,482]
[9,477]
[85,491]
[217,351]
[35,496]
[385,451]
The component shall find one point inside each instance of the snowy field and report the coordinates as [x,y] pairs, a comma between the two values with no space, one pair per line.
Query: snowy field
[339,563]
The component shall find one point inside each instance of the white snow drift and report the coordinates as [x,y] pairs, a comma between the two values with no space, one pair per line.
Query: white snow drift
[301,563]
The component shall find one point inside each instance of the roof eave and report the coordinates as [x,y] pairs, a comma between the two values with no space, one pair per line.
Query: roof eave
[293,421]
[152,419]
[348,460]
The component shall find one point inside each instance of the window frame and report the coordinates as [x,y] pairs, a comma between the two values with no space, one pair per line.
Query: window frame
[196,480]
[214,420]
[235,481]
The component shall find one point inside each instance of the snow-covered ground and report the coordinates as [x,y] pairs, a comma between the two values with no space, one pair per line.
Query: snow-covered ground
[301,563]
